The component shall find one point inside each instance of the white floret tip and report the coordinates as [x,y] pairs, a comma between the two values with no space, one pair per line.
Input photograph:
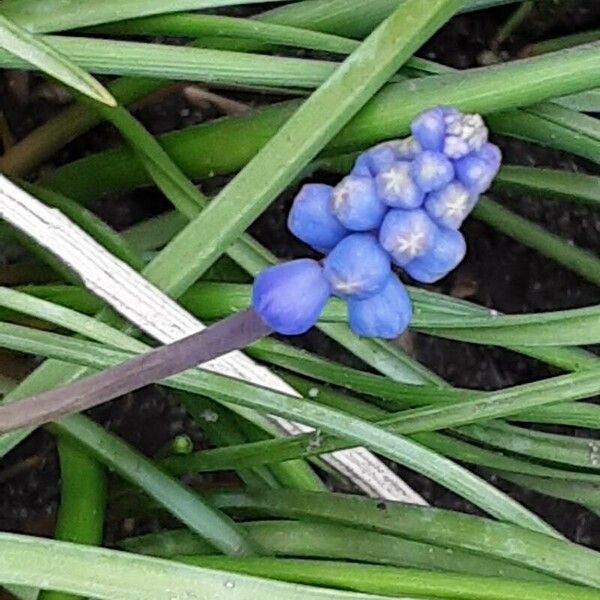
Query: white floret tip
[411,244]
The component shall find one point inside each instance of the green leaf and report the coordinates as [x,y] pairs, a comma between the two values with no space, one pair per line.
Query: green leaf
[308,539]
[356,431]
[580,261]
[349,17]
[584,101]
[197,514]
[80,515]
[62,15]
[201,150]
[108,574]
[581,492]
[35,51]
[162,61]
[196,25]
[391,581]
[435,314]
[527,125]
[545,183]
[559,558]
[344,17]
[551,447]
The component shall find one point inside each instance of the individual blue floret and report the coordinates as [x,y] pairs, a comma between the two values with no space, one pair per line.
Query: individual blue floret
[290,297]
[464,134]
[432,170]
[451,205]
[406,149]
[311,218]
[356,204]
[407,234]
[374,160]
[397,188]
[446,254]
[385,315]
[477,170]
[429,129]
[357,267]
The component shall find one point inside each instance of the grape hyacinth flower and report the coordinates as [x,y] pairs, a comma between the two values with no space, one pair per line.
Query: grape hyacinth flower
[397,188]
[356,204]
[432,170]
[464,134]
[406,198]
[407,234]
[385,315]
[445,129]
[311,218]
[451,205]
[403,202]
[407,148]
[357,267]
[375,160]
[291,296]
[477,170]
[429,129]
[446,254]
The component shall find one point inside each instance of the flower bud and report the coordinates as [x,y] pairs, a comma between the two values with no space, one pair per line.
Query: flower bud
[290,297]
[464,134]
[407,234]
[356,205]
[311,218]
[451,205]
[446,254]
[429,129]
[385,315]
[357,267]
[477,170]
[397,188]
[432,170]
[374,160]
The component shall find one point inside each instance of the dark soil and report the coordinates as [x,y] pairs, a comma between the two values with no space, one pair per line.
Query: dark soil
[498,272]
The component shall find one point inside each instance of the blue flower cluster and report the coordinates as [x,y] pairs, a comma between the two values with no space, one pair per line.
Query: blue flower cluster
[402,204]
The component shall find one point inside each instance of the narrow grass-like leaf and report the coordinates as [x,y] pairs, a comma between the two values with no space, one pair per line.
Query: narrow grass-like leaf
[62,15]
[223,533]
[196,25]
[37,52]
[234,392]
[584,101]
[80,516]
[303,136]
[578,123]
[394,582]
[581,492]
[436,315]
[387,115]
[526,124]
[108,574]
[112,57]
[347,17]
[323,540]
[559,558]
[551,447]
[340,16]
[584,263]
[565,41]
[549,183]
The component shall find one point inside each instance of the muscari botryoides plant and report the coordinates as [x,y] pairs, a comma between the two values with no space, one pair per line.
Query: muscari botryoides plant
[402,205]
